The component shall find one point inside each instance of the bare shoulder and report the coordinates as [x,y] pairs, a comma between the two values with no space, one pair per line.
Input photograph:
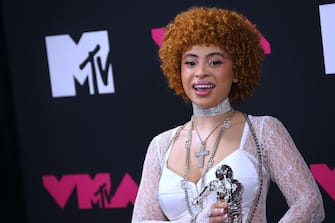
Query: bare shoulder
[238,117]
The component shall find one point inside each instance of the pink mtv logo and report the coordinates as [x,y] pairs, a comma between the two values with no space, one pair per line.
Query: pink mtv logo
[91,192]
[157,35]
[325,177]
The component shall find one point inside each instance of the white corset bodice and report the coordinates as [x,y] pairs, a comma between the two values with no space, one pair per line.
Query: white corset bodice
[172,196]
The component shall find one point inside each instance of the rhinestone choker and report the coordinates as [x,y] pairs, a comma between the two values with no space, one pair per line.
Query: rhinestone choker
[216,110]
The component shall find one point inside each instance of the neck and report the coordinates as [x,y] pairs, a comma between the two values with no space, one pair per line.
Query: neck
[219,109]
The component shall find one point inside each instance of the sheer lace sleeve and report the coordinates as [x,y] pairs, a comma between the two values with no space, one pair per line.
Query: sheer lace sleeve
[292,175]
[146,207]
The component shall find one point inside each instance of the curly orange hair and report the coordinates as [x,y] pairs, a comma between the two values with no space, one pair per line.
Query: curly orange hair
[226,29]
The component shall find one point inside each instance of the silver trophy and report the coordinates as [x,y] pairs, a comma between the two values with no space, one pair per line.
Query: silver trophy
[228,190]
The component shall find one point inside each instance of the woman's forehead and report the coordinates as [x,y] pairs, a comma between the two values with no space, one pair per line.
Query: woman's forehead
[204,49]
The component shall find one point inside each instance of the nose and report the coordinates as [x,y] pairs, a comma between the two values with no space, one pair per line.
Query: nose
[202,71]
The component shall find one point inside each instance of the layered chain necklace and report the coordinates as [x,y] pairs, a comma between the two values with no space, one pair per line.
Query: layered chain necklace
[203,151]
[226,123]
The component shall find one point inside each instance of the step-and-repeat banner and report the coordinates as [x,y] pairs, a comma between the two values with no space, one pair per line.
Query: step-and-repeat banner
[88,96]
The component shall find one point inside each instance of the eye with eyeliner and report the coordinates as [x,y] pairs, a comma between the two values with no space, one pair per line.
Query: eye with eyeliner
[215,62]
[190,63]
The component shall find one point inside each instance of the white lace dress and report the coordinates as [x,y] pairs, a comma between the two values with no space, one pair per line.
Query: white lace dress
[160,197]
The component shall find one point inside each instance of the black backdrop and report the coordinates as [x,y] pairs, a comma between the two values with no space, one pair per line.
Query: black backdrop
[58,151]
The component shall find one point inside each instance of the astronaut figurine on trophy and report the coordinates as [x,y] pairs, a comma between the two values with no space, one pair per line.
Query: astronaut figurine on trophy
[227,189]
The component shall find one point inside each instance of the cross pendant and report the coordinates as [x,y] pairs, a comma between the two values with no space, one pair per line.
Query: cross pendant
[201,155]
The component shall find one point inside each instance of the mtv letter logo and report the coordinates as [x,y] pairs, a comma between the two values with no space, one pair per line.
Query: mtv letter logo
[327,21]
[72,63]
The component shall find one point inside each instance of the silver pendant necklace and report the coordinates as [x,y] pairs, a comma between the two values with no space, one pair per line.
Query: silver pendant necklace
[184,182]
[203,151]
[221,108]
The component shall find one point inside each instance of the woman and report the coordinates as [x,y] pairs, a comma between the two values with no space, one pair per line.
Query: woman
[212,57]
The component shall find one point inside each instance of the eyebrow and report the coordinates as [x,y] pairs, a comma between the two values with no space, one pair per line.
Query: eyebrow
[207,56]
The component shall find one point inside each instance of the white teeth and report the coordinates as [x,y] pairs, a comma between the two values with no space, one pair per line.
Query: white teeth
[203,86]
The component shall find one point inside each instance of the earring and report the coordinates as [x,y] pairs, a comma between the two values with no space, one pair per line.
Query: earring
[235,80]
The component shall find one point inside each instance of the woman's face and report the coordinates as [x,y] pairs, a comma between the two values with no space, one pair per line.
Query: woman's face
[207,75]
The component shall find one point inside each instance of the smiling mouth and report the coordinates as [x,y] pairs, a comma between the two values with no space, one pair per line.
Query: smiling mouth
[203,86]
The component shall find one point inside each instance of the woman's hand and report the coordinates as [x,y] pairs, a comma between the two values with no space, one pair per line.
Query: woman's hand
[218,212]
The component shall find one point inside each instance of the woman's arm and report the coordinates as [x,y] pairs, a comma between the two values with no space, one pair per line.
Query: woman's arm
[147,208]
[146,205]
[292,175]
